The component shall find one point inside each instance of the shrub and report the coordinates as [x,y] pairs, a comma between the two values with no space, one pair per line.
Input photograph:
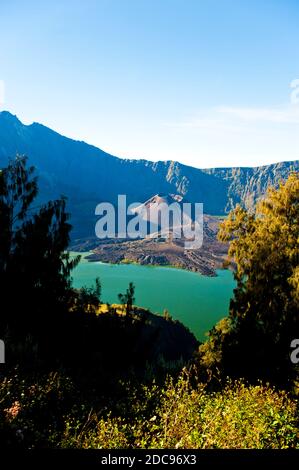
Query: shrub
[183,414]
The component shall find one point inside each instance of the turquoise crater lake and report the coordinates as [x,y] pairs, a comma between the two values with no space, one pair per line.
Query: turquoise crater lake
[197,301]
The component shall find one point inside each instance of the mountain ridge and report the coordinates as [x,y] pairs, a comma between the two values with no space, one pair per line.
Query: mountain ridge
[88,175]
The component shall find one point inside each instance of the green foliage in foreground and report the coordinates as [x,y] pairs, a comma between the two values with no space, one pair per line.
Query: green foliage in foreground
[180,414]
[254,341]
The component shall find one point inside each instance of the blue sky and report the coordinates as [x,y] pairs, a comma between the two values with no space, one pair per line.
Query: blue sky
[205,82]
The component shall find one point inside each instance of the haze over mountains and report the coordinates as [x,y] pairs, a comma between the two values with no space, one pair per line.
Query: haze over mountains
[88,175]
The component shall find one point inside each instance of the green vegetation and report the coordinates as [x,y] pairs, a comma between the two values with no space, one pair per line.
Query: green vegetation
[254,341]
[182,413]
[183,416]
[79,374]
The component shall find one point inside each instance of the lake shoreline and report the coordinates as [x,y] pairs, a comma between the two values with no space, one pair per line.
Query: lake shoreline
[160,251]
[93,257]
[87,255]
[198,301]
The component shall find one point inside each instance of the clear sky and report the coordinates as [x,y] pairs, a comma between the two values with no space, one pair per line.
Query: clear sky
[205,82]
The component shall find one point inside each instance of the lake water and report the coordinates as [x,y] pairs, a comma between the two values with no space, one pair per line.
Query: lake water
[197,301]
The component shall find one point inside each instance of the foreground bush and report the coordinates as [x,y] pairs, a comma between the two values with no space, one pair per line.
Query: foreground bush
[51,413]
[182,415]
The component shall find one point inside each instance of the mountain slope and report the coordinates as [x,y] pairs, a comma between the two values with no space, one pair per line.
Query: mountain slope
[87,175]
[246,185]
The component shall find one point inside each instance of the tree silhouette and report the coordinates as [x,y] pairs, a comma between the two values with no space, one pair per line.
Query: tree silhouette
[34,265]
[88,298]
[128,298]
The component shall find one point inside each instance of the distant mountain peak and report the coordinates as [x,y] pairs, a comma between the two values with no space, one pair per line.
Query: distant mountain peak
[161,198]
[9,117]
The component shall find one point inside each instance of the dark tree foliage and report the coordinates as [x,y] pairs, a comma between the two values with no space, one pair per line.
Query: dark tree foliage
[128,298]
[88,298]
[34,266]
